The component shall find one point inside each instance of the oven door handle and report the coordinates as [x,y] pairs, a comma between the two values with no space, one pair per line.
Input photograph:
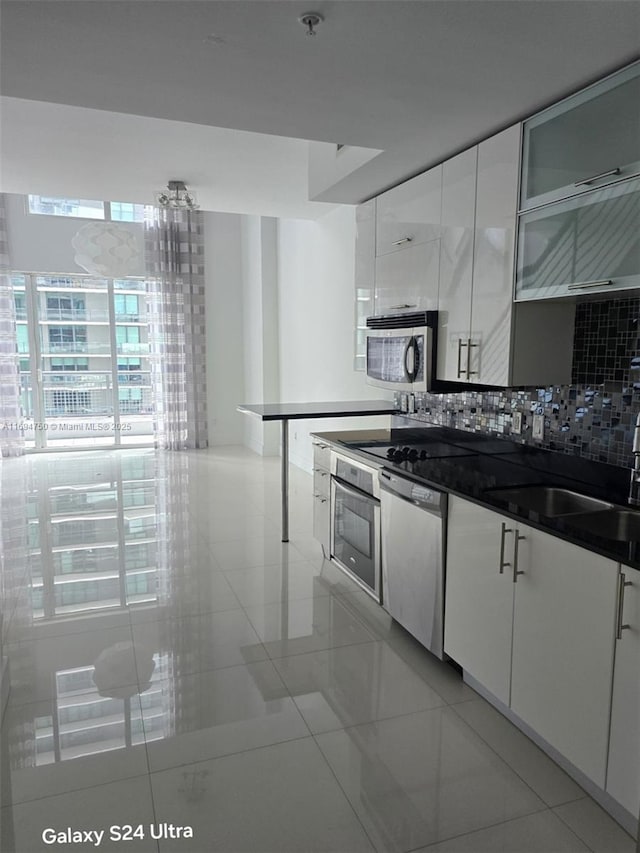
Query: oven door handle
[356,493]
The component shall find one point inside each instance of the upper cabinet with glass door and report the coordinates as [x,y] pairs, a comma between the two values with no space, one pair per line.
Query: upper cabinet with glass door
[584,142]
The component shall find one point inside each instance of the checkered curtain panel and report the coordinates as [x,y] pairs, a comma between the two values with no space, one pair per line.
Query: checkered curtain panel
[174,258]
[11,436]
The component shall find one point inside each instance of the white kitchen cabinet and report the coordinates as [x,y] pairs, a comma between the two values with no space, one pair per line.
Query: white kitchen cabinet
[623,774]
[483,337]
[494,353]
[479,596]
[409,214]
[456,264]
[321,490]
[532,619]
[587,140]
[408,280]
[586,244]
[563,643]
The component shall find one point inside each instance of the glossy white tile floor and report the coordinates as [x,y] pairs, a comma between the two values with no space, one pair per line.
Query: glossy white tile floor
[173,662]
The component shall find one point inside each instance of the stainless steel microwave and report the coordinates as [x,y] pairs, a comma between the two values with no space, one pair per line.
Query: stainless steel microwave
[401,350]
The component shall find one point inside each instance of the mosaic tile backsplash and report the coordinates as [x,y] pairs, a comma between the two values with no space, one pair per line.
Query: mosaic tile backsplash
[593,417]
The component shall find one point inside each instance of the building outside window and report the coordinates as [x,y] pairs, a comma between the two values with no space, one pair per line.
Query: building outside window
[84,353]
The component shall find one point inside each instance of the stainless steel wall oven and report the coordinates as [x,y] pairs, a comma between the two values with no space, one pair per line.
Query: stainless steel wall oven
[355,521]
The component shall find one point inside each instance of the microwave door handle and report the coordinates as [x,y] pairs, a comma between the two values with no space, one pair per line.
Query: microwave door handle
[416,359]
[408,372]
[412,347]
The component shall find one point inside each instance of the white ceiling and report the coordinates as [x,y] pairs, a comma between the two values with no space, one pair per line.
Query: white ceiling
[420,79]
[52,149]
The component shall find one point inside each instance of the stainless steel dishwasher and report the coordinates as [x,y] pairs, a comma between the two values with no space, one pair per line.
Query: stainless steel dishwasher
[412,519]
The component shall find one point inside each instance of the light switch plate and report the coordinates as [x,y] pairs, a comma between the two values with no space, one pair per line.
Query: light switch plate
[537,430]
[516,423]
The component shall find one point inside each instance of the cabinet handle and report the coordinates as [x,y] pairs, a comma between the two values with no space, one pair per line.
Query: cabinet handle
[470,347]
[321,446]
[402,241]
[622,582]
[405,305]
[590,180]
[578,285]
[460,371]
[516,543]
[505,530]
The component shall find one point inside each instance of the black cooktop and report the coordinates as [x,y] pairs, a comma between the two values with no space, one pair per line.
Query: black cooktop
[415,452]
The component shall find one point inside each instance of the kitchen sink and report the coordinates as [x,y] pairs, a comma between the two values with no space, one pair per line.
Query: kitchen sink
[623,525]
[551,501]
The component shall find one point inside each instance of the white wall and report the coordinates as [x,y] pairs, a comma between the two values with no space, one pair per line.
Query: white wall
[260,328]
[43,243]
[316,320]
[224,324]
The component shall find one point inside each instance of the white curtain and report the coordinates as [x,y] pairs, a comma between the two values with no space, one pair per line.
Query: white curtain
[11,436]
[174,259]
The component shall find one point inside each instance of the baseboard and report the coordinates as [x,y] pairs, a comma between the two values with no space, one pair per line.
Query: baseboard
[628,821]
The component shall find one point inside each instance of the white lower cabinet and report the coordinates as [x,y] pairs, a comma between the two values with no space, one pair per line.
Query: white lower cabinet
[532,618]
[479,598]
[623,774]
[563,643]
[321,488]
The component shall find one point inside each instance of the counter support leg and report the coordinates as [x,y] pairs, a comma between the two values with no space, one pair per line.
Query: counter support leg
[285,480]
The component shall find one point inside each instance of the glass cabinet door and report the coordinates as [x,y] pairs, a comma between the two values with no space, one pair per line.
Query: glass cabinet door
[585,141]
[590,243]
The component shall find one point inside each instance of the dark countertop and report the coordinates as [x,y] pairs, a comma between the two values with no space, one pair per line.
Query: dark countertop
[332,409]
[499,464]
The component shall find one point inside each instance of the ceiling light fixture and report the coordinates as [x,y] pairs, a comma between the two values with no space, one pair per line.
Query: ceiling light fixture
[177,197]
[311,20]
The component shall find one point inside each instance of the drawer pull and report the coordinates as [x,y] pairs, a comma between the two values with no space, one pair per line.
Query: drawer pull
[471,346]
[505,530]
[460,370]
[590,180]
[404,305]
[401,242]
[516,544]
[622,582]
[578,285]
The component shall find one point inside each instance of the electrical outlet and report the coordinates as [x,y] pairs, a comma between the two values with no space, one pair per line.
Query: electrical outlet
[516,423]
[537,431]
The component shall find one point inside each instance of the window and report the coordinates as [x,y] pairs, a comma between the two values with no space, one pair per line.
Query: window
[128,339]
[130,371]
[117,211]
[129,363]
[63,307]
[23,339]
[122,211]
[126,305]
[67,338]
[70,364]
[20,301]
[53,206]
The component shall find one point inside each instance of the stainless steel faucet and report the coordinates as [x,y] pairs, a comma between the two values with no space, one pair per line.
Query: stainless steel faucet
[634,485]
